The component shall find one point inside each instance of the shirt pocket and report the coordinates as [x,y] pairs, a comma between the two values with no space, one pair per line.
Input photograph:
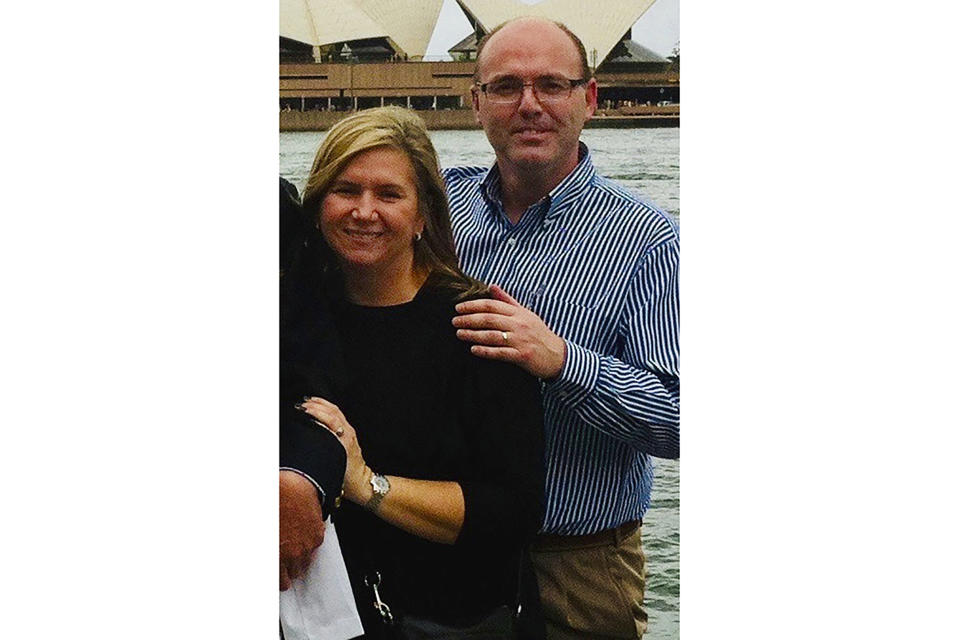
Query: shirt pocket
[589,291]
[589,322]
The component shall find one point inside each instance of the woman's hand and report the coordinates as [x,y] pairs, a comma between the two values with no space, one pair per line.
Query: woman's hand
[328,415]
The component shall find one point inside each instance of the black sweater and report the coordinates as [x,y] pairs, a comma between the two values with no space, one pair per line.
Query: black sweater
[425,408]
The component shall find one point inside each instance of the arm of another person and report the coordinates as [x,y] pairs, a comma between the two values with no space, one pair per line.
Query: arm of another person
[304,448]
[313,452]
[635,397]
[301,525]
[312,465]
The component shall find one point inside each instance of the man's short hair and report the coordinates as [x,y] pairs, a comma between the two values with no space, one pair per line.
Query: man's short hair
[585,72]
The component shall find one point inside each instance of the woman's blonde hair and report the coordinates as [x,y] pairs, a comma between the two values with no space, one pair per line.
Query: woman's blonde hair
[403,130]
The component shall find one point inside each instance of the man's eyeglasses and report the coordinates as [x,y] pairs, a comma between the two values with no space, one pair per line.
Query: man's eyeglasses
[509,90]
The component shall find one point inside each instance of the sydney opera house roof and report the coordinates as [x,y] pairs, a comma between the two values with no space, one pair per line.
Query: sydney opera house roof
[600,24]
[406,24]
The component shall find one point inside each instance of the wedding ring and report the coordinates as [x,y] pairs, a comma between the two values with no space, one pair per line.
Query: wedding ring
[506,338]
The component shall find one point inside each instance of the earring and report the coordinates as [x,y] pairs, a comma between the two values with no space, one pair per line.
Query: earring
[418,236]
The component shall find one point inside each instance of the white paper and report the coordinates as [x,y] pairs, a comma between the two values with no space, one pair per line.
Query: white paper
[319,605]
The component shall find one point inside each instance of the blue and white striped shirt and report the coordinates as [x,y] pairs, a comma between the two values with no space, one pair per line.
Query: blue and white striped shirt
[599,266]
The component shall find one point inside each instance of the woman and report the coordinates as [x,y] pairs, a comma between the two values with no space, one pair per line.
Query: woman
[444,479]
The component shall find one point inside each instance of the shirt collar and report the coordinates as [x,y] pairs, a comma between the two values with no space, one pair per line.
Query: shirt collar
[561,197]
[570,188]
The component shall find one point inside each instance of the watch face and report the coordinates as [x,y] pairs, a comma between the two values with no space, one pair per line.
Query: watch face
[380,484]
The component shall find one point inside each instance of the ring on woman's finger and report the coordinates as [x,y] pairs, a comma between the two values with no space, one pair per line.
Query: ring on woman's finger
[505,336]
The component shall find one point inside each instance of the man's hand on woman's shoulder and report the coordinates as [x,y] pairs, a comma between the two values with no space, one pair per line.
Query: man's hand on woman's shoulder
[501,328]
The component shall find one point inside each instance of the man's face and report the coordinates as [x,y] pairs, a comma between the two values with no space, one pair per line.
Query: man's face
[534,134]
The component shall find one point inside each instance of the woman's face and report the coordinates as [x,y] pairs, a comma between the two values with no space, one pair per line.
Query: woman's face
[370,214]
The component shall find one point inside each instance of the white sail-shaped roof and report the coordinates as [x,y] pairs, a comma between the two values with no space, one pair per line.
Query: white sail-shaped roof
[407,23]
[320,22]
[410,23]
[598,23]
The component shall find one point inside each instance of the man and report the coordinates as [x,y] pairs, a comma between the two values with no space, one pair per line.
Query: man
[312,460]
[592,310]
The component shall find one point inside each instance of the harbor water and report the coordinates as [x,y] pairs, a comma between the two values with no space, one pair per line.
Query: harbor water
[647,161]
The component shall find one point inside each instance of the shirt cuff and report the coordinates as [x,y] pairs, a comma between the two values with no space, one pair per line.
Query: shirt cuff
[578,377]
[320,492]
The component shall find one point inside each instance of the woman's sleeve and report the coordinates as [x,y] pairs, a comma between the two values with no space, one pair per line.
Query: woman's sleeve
[504,498]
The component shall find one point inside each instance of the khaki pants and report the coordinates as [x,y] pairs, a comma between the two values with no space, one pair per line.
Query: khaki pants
[592,587]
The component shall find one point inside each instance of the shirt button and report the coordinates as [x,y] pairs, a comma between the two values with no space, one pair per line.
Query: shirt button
[511,242]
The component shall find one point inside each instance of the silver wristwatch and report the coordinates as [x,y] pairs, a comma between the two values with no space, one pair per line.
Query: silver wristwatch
[381,486]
